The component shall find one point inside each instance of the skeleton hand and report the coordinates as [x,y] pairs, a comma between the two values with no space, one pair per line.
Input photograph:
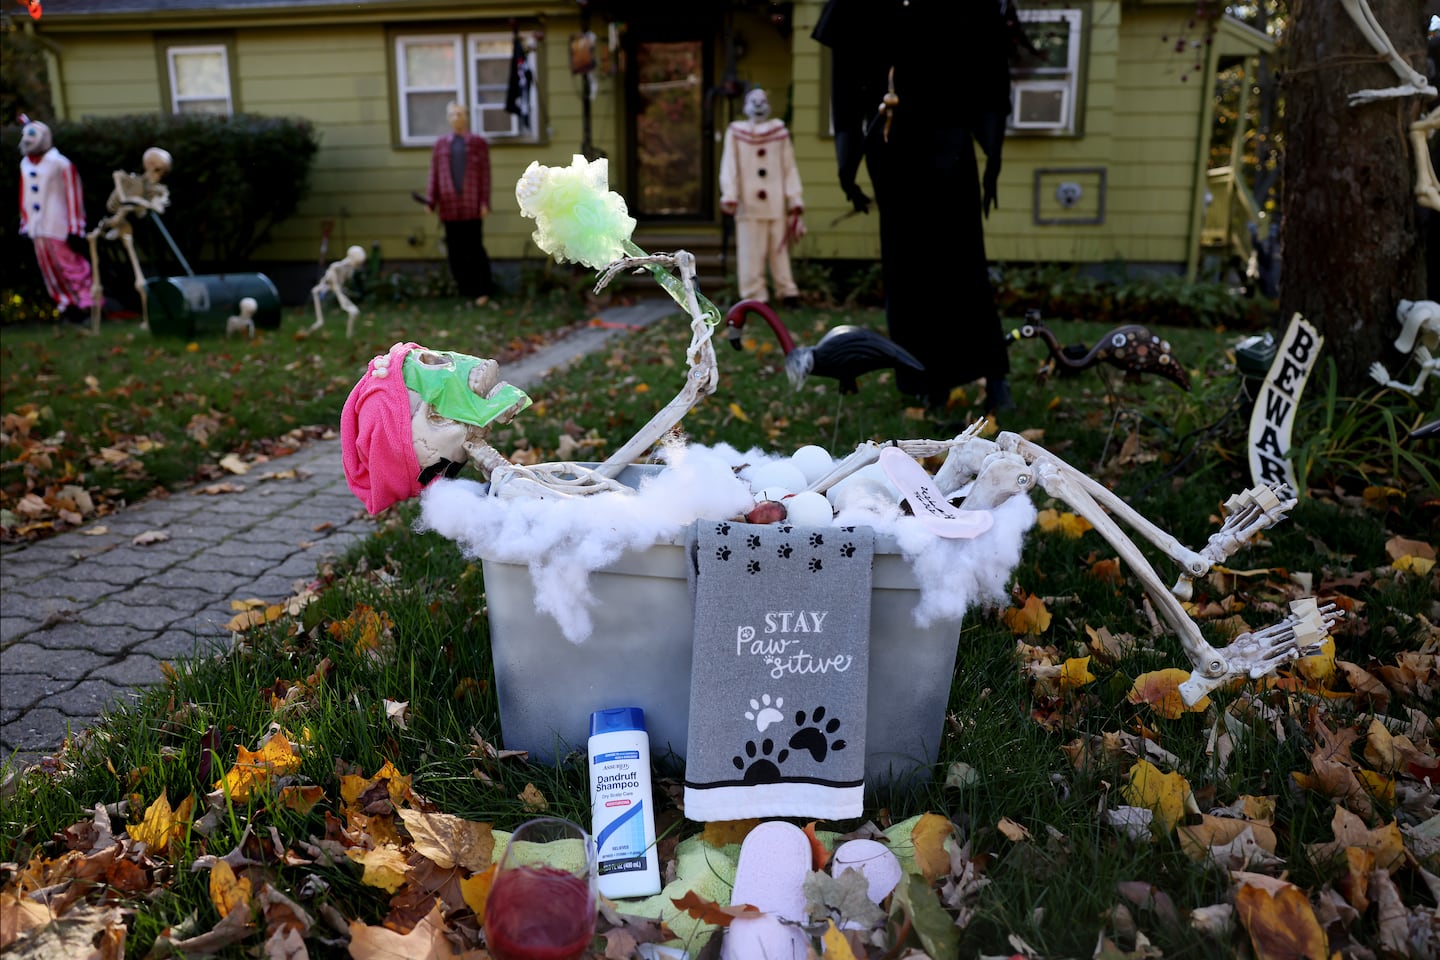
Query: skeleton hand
[1256,654]
[1379,374]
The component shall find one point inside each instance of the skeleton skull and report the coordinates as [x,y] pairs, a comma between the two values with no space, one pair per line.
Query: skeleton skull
[157,163]
[757,105]
[35,139]
[355,256]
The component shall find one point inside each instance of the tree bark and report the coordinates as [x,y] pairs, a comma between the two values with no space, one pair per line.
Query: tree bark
[1350,236]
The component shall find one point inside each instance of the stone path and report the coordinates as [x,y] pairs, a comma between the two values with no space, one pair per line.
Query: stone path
[86,618]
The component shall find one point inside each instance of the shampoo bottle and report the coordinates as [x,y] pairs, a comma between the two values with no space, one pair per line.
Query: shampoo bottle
[623,815]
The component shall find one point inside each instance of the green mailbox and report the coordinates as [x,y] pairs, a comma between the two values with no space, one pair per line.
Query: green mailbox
[198,306]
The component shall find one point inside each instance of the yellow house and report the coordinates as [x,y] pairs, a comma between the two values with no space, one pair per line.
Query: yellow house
[1106,160]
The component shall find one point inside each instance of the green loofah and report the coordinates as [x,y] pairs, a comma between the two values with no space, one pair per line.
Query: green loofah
[576,215]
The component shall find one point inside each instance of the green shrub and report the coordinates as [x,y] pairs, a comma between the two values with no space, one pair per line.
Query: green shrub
[233,179]
[1063,292]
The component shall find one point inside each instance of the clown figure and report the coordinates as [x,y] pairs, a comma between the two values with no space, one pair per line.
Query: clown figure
[760,186]
[51,210]
[408,420]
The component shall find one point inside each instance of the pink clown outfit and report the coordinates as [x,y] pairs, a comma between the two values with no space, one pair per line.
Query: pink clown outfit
[51,209]
[760,185]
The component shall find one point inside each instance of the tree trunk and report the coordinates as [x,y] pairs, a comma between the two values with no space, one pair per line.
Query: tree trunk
[1350,236]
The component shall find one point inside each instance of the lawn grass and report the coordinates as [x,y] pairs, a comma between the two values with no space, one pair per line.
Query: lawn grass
[402,619]
[123,413]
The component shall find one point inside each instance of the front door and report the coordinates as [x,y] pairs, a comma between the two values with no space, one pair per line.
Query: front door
[671,141]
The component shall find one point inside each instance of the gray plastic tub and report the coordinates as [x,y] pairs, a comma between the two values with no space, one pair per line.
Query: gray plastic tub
[639,655]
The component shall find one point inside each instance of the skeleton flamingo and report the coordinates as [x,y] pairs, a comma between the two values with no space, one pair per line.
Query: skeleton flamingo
[845,353]
[1132,348]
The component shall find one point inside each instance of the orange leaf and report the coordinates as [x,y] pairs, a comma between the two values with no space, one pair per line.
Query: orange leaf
[1066,524]
[928,835]
[1161,690]
[1281,924]
[253,770]
[475,891]
[819,856]
[708,911]
[301,799]
[533,799]
[1107,571]
[1031,618]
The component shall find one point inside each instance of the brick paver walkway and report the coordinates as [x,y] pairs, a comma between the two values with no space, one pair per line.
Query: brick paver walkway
[86,618]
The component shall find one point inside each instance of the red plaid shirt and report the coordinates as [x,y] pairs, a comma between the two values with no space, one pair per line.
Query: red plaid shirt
[442,196]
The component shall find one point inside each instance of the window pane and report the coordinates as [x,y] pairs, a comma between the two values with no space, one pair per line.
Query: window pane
[220,107]
[490,96]
[1041,107]
[492,72]
[427,114]
[430,64]
[1051,39]
[201,74]
[497,121]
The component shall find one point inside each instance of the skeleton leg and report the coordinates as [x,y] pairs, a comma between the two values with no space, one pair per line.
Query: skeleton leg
[97,292]
[128,239]
[316,292]
[351,311]
[1427,187]
[1411,80]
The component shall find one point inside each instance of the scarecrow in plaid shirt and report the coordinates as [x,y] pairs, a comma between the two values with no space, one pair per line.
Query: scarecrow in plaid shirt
[460,192]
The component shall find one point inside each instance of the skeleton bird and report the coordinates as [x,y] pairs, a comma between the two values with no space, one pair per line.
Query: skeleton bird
[845,353]
[1132,348]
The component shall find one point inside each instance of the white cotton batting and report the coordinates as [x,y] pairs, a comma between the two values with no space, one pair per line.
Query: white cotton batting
[563,540]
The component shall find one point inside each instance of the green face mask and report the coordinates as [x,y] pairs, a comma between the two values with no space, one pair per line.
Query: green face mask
[446,387]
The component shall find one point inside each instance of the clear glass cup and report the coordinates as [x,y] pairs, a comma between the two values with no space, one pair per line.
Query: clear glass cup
[542,901]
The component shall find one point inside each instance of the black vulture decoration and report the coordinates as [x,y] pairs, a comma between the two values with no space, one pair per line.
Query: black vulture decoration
[845,353]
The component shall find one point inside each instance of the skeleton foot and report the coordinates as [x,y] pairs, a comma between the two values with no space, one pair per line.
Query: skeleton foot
[1256,654]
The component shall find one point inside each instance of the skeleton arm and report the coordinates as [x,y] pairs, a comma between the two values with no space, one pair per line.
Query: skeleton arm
[1412,81]
[1428,364]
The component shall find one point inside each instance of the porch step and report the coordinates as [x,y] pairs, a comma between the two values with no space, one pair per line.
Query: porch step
[711,263]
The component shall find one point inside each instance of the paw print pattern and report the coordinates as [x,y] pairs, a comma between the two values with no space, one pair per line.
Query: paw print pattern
[817,539]
[787,529]
[752,566]
[815,565]
[847,550]
[847,529]
[722,553]
[784,550]
[757,765]
[764,713]
[722,529]
[813,737]
[753,542]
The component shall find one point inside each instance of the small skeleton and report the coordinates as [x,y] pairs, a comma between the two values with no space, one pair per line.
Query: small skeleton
[1419,337]
[135,194]
[1427,186]
[244,321]
[334,280]
[988,472]
[1412,81]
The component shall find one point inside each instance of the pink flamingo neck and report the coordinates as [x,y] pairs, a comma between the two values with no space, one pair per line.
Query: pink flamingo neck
[735,317]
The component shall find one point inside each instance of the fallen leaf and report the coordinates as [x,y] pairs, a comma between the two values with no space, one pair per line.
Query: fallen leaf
[1030,618]
[1160,689]
[217,489]
[1419,566]
[426,941]
[252,770]
[836,947]
[1075,672]
[1385,842]
[533,799]
[395,711]
[1014,832]
[476,890]
[161,824]
[449,840]
[234,464]
[227,891]
[720,833]
[385,866]
[1397,547]
[1167,795]
[1280,921]
[1066,524]
[708,911]
[738,413]
[928,836]
[149,537]
[301,799]
[819,855]
[20,915]
[95,531]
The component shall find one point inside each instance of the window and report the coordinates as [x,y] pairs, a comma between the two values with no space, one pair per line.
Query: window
[431,71]
[199,79]
[1046,90]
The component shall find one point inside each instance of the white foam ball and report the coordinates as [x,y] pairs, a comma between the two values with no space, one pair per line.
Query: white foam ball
[812,461]
[856,491]
[777,473]
[808,509]
[773,493]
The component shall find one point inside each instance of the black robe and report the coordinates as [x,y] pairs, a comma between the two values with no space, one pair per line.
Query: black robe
[950,63]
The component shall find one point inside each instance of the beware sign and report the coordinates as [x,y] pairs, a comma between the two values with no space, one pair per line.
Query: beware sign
[1274,414]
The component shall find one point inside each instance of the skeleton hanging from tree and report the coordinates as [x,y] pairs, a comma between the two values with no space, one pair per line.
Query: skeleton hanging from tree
[135,194]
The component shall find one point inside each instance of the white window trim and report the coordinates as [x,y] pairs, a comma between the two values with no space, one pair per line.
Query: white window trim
[464,86]
[176,99]
[1064,79]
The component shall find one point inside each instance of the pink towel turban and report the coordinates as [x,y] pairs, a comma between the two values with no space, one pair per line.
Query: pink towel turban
[375,441]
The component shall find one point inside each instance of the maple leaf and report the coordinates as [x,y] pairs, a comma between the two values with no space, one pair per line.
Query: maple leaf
[1318,668]
[365,627]
[708,911]
[475,890]
[161,824]
[1075,672]
[425,941]
[1166,795]
[396,787]
[226,891]
[1230,843]
[533,799]
[19,916]
[450,841]
[1030,618]
[836,947]
[253,770]
[1279,919]
[385,866]
[1386,842]
[1160,689]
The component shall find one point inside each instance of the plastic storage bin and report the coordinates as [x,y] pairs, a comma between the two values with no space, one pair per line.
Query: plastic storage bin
[640,653]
